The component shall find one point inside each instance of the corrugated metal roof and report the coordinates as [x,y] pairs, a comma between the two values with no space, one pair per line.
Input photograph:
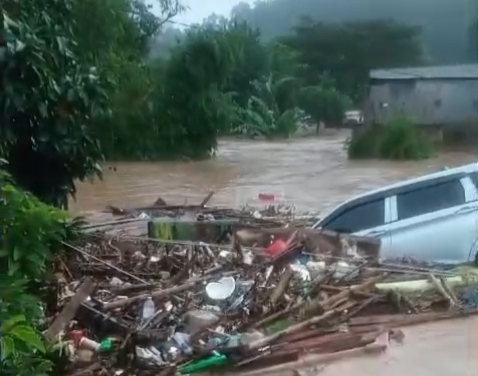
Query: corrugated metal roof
[424,73]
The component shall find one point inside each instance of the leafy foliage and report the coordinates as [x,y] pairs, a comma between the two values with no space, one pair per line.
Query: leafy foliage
[399,140]
[117,40]
[257,119]
[251,64]
[47,100]
[191,102]
[270,112]
[403,140]
[177,106]
[347,52]
[324,104]
[31,232]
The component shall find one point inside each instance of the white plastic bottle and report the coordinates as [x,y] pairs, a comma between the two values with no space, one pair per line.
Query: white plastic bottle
[149,309]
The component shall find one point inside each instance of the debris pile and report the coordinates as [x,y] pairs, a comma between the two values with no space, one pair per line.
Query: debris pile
[262,297]
[129,221]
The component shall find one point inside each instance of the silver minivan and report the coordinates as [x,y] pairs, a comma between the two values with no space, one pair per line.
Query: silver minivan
[433,218]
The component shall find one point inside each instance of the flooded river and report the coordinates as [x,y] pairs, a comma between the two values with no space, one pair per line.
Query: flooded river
[312,173]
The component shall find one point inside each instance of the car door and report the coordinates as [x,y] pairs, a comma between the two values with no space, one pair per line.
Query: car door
[364,217]
[473,205]
[433,221]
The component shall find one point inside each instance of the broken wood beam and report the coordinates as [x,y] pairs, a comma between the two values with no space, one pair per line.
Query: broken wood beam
[70,309]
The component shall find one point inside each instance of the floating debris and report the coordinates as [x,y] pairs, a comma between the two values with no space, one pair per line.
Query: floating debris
[149,306]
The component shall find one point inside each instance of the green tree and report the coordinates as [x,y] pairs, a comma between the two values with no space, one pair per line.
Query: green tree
[444,22]
[116,36]
[324,104]
[48,100]
[348,51]
[251,62]
[285,69]
[283,60]
[191,107]
[270,111]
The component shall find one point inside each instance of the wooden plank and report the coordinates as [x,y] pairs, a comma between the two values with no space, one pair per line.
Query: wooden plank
[69,311]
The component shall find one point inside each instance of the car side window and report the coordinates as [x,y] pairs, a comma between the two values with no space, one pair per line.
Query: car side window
[430,199]
[358,218]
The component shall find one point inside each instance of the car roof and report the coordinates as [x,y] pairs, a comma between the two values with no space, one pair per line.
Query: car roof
[468,168]
[472,167]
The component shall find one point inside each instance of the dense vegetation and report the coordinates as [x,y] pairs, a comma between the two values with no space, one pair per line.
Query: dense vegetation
[30,236]
[83,80]
[449,26]
[400,139]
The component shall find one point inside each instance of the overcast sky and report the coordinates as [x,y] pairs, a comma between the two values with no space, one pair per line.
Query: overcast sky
[199,9]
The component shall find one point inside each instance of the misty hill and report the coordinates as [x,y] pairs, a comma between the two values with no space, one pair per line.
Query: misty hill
[449,26]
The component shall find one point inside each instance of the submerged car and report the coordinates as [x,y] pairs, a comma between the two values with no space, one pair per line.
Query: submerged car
[353,118]
[433,218]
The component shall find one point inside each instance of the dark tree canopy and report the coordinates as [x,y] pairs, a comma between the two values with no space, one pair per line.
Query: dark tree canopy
[348,51]
[445,23]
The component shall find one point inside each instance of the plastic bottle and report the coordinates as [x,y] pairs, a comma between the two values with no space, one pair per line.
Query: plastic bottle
[106,344]
[89,344]
[200,364]
[149,309]
[183,342]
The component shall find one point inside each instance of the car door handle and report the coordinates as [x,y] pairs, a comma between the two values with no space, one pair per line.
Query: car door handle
[466,209]
[375,233]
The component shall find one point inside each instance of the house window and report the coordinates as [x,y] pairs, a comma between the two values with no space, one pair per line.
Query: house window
[475,105]
[437,103]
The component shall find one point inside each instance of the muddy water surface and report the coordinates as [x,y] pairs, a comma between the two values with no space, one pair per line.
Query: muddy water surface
[437,349]
[311,173]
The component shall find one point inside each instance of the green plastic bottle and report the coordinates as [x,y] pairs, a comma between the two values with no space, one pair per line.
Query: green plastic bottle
[200,364]
[106,344]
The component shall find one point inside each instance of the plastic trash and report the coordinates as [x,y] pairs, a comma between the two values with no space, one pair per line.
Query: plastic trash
[170,351]
[301,271]
[266,197]
[149,355]
[148,310]
[278,246]
[198,320]
[183,341]
[106,344]
[89,344]
[198,365]
[343,269]
[116,282]
[247,256]
[222,289]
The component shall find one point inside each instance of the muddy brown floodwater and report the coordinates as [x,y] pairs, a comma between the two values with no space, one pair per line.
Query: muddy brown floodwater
[312,173]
